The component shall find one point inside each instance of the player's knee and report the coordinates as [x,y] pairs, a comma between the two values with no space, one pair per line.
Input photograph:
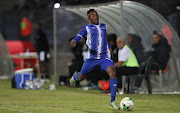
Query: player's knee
[112,72]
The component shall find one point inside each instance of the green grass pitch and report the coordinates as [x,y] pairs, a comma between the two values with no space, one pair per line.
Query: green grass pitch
[75,100]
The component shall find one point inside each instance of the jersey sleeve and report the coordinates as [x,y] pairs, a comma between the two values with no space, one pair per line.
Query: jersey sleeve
[81,34]
[123,54]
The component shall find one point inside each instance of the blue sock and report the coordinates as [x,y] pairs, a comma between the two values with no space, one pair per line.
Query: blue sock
[113,88]
[76,76]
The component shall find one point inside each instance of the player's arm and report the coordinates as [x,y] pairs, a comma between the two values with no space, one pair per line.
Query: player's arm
[79,36]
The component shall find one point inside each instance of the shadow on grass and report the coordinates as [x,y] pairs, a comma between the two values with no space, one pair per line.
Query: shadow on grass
[113,111]
[84,111]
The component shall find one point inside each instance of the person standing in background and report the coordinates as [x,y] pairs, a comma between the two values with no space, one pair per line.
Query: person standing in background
[42,47]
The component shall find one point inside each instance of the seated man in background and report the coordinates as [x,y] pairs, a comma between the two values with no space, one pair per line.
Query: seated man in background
[127,63]
[134,42]
[159,53]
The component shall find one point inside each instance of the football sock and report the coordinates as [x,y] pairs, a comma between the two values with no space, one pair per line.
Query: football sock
[113,88]
[76,76]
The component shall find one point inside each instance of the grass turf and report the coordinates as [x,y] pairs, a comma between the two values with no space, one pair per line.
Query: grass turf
[75,100]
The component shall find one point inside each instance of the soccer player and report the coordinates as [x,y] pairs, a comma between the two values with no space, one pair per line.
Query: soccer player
[98,53]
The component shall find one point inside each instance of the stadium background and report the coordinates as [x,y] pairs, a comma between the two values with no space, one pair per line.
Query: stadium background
[12,13]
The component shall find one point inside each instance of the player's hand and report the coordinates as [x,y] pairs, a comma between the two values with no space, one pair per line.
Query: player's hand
[72,43]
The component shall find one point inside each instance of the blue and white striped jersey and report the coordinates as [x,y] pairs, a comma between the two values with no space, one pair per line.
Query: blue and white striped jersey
[96,41]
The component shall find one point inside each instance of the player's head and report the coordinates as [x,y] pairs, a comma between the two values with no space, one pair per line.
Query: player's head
[93,16]
[120,42]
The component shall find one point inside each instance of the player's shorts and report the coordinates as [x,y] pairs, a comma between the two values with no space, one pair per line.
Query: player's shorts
[90,64]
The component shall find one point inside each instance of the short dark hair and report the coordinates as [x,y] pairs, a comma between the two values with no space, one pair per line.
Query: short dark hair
[130,34]
[90,11]
[156,33]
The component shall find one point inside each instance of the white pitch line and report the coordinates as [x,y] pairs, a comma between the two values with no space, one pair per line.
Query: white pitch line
[14,110]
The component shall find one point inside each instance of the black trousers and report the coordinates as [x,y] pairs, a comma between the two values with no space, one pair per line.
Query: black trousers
[153,66]
[125,71]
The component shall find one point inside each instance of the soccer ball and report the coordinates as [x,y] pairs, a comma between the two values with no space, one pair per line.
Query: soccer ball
[127,104]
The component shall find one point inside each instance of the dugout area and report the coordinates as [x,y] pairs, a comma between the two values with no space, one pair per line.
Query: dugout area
[121,18]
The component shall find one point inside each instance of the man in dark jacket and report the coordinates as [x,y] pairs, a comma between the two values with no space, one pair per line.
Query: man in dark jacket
[42,47]
[160,52]
[134,42]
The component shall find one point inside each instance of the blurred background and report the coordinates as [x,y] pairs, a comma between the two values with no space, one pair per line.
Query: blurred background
[18,20]
[12,12]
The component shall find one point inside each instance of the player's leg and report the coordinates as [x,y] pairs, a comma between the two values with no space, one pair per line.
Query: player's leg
[87,66]
[112,82]
[113,86]
[77,76]
[108,66]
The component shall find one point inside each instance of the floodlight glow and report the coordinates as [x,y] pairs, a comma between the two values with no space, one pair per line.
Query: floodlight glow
[178,7]
[57,5]
[127,1]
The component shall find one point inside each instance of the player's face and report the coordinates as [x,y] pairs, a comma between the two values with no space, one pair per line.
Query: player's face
[93,17]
